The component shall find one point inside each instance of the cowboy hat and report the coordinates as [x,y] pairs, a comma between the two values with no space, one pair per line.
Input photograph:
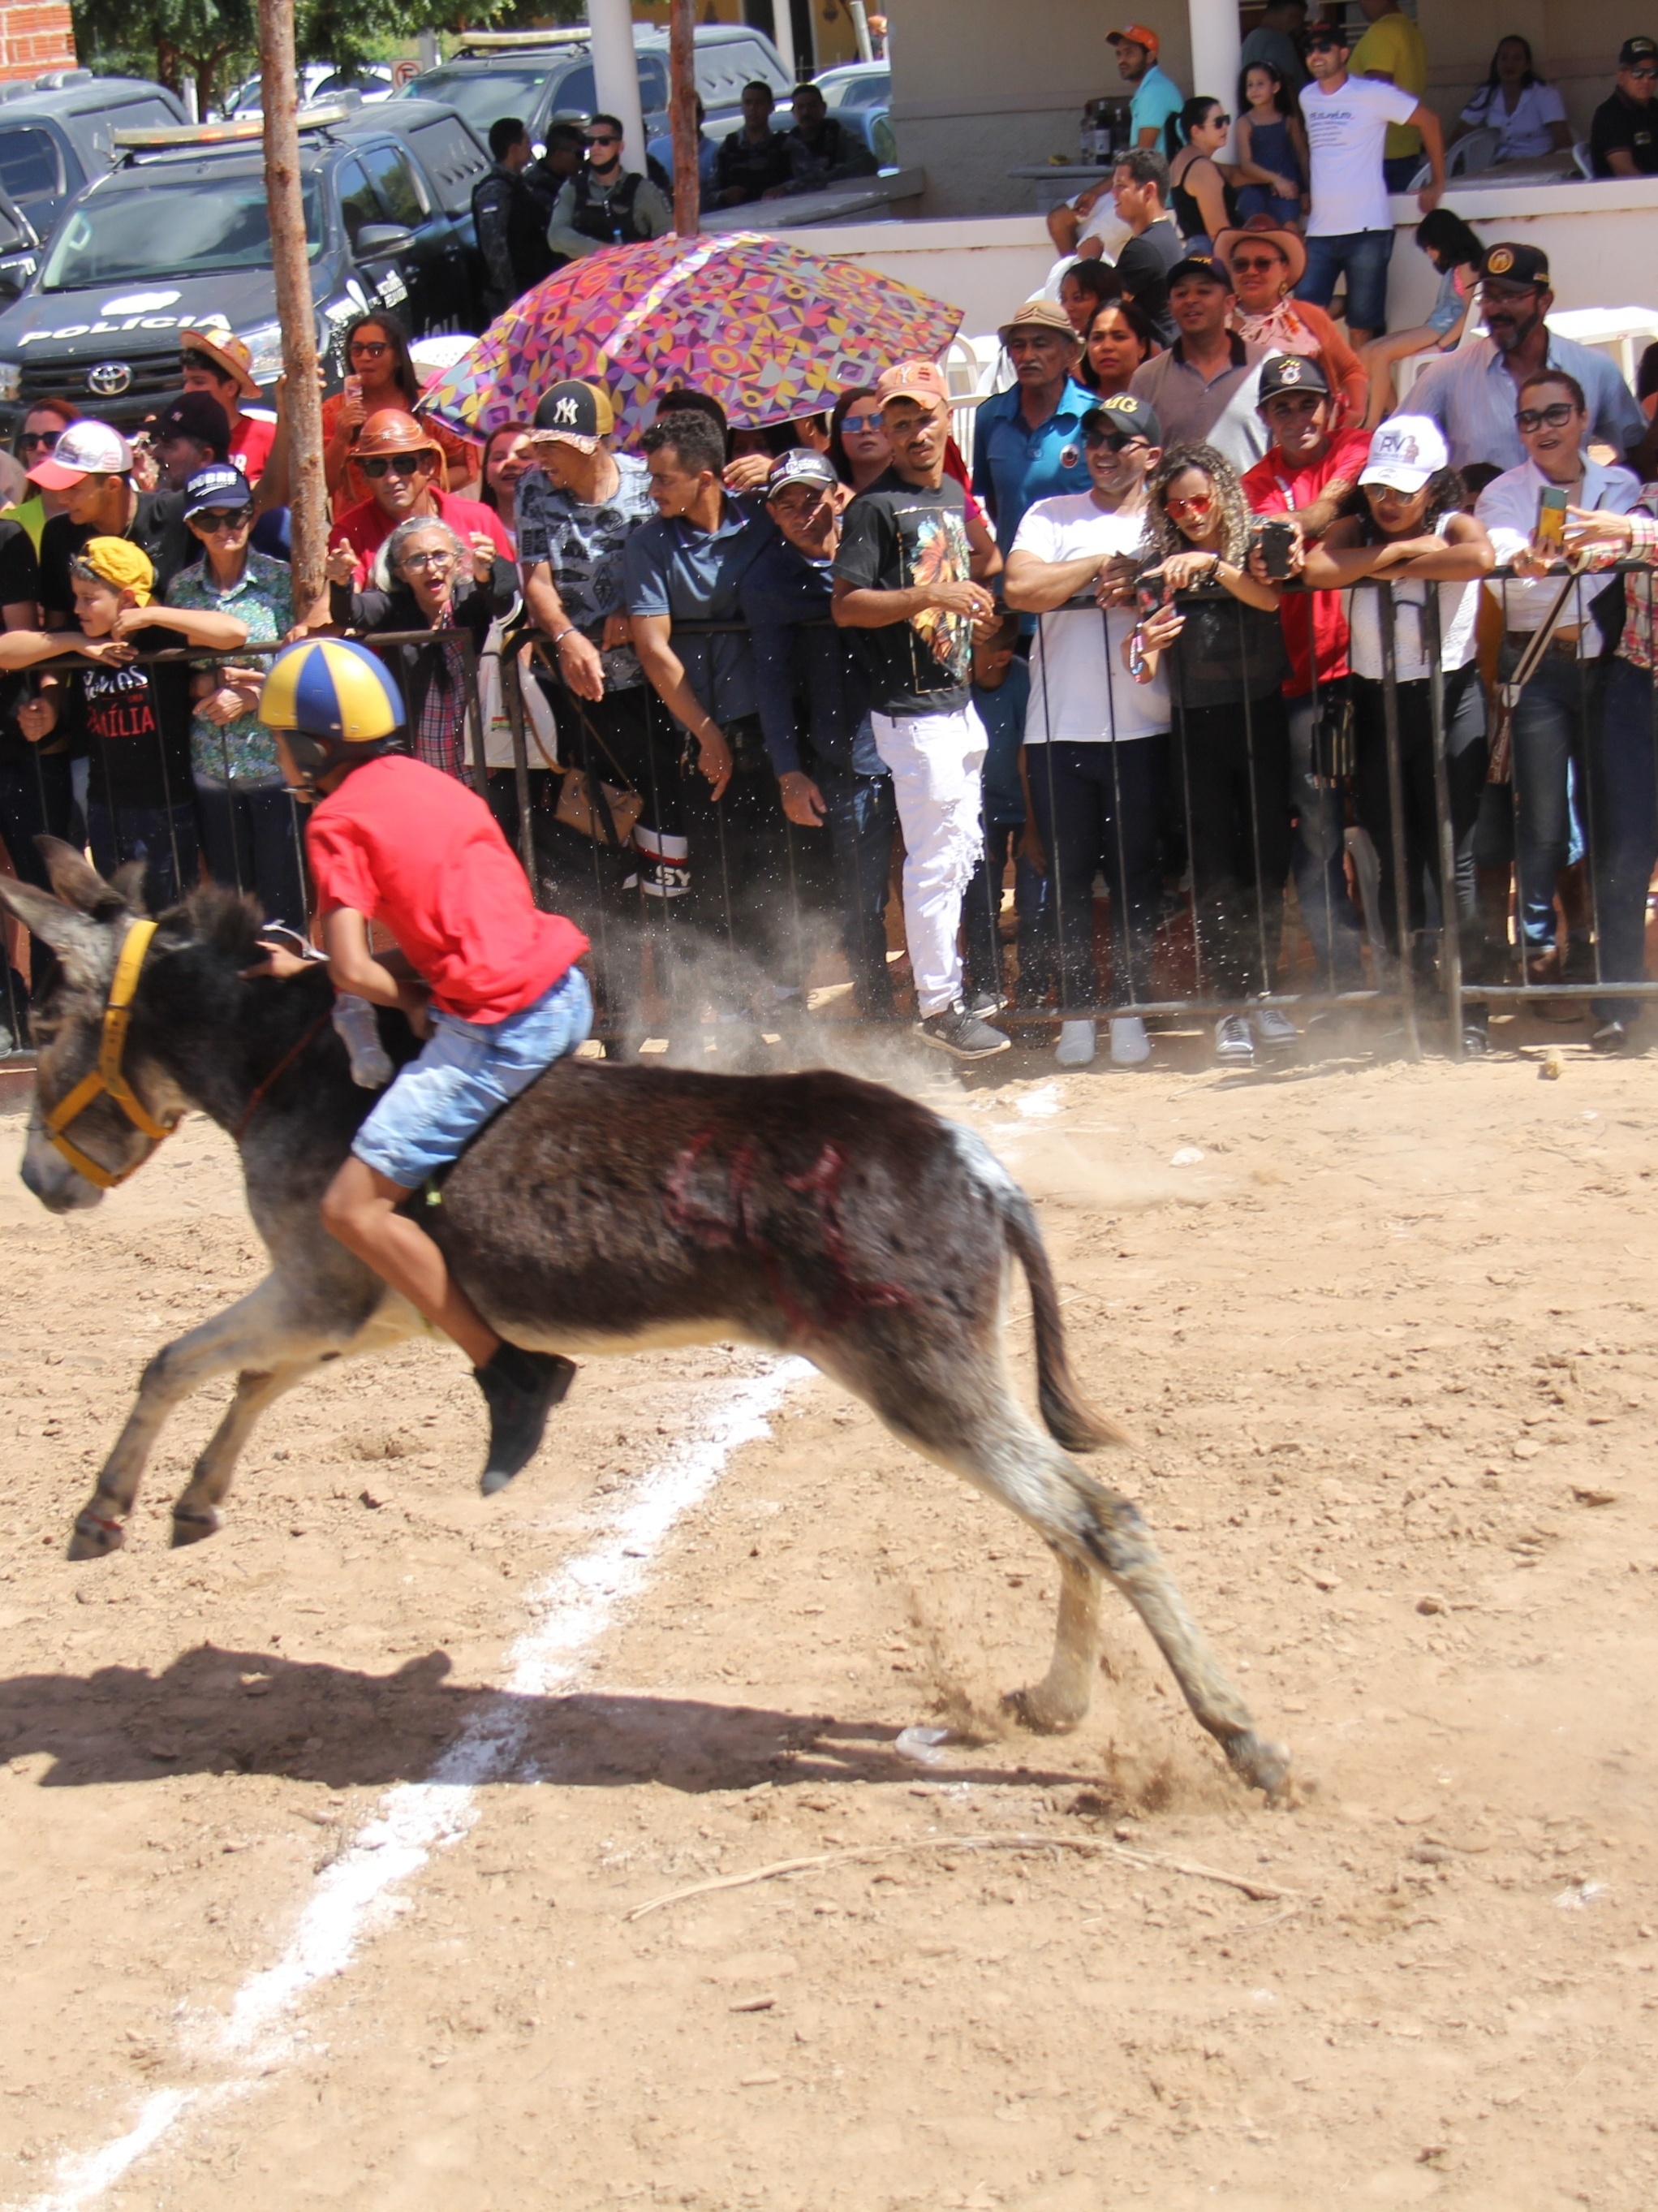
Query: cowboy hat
[227,353]
[1266,232]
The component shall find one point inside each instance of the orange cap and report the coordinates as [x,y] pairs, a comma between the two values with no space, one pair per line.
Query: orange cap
[923,382]
[1136,34]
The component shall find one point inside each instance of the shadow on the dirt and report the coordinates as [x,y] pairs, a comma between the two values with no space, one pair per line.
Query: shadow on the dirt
[252,1712]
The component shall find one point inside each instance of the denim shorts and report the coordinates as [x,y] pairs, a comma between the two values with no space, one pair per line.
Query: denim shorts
[467,1072]
[1362,256]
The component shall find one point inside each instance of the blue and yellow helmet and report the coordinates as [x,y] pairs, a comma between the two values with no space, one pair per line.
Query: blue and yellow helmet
[337,692]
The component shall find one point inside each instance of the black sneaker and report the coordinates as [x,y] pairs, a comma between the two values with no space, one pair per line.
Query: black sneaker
[961,1034]
[1610,1037]
[520,1388]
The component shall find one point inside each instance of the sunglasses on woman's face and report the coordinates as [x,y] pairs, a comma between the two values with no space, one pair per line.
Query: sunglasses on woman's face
[406,465]
[1556,415]
[222,518]
[1196,508]
[1242,266]
[46,439]
[369,349]
[859,423]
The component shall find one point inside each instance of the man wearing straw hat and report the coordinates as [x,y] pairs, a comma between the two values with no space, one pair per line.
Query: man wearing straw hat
[217,362]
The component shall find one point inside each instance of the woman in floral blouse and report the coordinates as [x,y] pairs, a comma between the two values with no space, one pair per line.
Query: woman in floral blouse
[249,827]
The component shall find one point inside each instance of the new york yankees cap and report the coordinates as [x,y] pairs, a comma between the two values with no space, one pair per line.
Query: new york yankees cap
[579,414]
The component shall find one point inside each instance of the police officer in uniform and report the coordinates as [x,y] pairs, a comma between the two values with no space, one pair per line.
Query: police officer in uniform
[604,204]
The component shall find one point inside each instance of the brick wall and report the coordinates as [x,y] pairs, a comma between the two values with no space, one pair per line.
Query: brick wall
[34,35]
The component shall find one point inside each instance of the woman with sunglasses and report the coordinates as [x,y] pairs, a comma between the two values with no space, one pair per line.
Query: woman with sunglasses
[379,373]
[249,830]
[857,440]
[1199,193]
[1120,340]
[1265,262]
[1222,645]
[427,576]
[43,424]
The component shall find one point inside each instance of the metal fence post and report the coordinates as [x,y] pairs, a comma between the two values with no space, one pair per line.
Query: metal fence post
[512,692]
[1450,917]
[1396,822]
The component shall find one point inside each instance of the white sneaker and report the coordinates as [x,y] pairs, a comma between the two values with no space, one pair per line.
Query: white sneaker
[1274,1030]
[1130,1045]
[1233,1040]
[357,1024]
[1076,1046]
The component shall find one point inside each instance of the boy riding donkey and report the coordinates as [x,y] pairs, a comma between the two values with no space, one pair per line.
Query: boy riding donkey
[486,978]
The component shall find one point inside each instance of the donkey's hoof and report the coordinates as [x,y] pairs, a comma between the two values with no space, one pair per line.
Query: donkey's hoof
[189,1527]
[1038,1709]
[1264,1764]
[96,1535]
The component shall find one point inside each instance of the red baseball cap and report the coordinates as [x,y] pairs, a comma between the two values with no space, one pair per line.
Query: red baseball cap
[1136,35]
[923,382]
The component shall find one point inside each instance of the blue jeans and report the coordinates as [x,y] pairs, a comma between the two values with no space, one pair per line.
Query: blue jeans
[1556,711]
[1623,809]
[467,1072]
[1396,173]
[1099,807]
[252,838]
[982,907]
[1319,857]
[163,837]
[863,820]
[1363,257]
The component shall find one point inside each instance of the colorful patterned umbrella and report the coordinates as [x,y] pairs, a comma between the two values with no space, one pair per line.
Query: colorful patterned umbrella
[771,331]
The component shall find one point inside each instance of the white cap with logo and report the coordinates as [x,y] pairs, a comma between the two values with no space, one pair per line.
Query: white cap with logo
[1405,453]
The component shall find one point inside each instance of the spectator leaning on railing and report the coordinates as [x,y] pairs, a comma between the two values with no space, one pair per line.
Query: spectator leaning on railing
[1472,394]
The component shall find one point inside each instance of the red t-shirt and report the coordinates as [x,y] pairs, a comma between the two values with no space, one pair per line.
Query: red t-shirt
[408,845]
[249,445]
[1312,620]
[365,529]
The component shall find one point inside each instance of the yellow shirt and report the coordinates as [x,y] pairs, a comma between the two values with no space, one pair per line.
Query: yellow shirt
[1396,47]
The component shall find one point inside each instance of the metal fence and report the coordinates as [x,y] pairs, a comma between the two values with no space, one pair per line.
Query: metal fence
[1344,850]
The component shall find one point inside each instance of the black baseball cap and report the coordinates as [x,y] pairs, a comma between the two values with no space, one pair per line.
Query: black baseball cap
[581,414]
[1515,264]
[1123,416]
[1636,50]
[1201,264]
[1292,372]
[1327,34]
[800,465]
[195,415]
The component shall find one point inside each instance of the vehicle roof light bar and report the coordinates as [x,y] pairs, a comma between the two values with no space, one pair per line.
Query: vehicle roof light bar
[247,130]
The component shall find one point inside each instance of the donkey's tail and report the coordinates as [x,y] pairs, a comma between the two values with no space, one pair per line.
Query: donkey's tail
[1072,1421]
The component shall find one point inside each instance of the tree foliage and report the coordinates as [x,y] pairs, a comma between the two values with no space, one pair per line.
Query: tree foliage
[217,42]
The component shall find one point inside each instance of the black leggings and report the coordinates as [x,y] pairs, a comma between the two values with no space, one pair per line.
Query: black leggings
[1466,755]
[1232,775]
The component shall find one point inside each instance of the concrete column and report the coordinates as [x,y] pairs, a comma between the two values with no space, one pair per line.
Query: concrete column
[782,17]
[616,72]
[1216,43]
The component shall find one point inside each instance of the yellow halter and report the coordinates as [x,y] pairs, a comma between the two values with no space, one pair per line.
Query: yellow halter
[105,1080]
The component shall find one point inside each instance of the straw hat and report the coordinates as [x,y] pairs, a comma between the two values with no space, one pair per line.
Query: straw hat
[227,350]
[1290,243]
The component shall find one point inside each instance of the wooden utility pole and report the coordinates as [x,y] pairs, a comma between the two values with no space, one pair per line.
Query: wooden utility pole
[302,406]
[687,138]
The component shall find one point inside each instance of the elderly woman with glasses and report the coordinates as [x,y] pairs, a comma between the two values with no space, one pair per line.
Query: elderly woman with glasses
[248,826]
[426,577]
[1266,263]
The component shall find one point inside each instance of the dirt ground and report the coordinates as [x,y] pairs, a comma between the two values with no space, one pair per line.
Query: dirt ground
[1386,1335]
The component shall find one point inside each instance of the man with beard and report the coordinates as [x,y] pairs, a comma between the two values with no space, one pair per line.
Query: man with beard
[1473,393]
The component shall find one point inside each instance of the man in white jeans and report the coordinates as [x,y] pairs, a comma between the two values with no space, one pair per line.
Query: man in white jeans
[904,576]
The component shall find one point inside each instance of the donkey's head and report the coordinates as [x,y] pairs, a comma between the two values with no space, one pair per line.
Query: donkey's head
[86,923]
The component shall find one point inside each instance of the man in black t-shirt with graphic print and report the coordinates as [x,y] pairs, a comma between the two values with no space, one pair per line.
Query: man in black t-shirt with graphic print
[902,577]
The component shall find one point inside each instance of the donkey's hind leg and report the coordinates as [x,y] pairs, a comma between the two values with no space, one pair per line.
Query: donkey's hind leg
[260,1333]
[955,1406]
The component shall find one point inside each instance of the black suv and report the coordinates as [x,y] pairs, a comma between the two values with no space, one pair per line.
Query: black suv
[59,133]
[179,237]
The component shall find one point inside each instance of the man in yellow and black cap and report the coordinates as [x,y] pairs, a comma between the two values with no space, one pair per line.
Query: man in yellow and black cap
[1624,134]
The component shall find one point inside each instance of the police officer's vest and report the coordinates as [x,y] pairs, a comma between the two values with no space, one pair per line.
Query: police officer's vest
[608,218]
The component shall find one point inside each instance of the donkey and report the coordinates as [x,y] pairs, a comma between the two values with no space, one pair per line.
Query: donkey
[609,1209]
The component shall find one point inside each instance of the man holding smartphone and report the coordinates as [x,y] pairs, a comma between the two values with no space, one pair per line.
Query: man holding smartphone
[1558,711]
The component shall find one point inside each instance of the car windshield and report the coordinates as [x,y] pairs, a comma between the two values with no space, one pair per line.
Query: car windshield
[483,96]
[144,226]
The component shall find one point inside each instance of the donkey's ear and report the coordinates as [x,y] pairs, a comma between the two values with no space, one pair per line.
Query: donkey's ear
[128,885]
[77,939]
[76,882]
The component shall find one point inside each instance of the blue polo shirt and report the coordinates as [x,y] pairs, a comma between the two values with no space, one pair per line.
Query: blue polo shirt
[696,575]
[1156,97]
[1013,465]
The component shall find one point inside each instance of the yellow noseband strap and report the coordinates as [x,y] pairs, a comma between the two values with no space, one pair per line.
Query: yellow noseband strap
[107,1080]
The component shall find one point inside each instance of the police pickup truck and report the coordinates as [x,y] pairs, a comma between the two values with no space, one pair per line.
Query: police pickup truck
[177,237]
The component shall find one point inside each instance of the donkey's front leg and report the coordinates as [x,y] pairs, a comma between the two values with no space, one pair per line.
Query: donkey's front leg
[260,1333]
[195,1508]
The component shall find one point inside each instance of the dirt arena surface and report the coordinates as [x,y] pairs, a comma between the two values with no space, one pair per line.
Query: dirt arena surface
[1388,1338]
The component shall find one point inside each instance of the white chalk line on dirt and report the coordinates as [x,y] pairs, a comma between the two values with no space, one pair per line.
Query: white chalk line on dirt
[353,1897]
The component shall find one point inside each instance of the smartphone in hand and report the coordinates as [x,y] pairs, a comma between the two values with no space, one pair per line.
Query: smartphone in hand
[1550,536]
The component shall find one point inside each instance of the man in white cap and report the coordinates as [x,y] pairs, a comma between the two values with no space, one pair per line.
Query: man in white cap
[1027,440]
